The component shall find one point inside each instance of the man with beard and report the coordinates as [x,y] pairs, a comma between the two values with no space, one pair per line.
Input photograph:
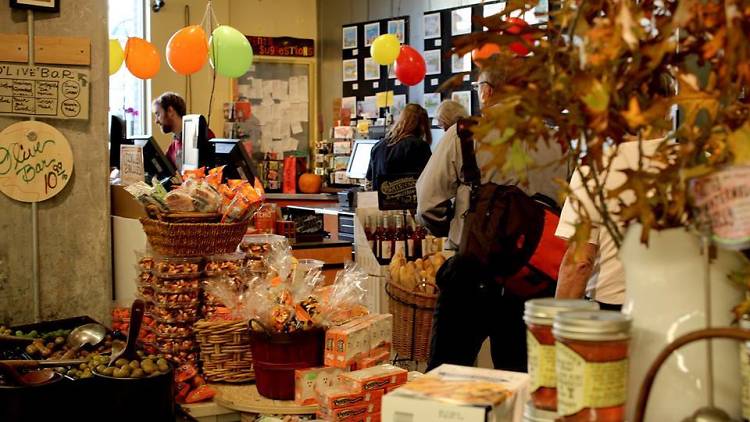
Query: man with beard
[169,108]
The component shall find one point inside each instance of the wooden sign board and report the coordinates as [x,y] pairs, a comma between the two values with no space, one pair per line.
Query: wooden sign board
[398,192]
[282,46]
[131,164]
[44,91]
[36,161]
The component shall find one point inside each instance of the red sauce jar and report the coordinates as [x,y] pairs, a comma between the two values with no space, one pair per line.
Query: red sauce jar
[591,354]
[539,315]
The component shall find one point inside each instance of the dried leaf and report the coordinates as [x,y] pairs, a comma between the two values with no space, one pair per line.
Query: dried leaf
[739,144]
[596,97]
[517,161]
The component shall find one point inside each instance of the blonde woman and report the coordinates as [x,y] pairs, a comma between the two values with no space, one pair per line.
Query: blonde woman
[405,149]
[448,113]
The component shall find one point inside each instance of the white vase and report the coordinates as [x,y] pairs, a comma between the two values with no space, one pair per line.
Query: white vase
[665,297]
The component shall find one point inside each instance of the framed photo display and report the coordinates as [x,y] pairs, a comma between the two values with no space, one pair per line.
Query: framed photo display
[432,25]
[40,5]
[397,27]
[349,37]
[372,31]
[432,61]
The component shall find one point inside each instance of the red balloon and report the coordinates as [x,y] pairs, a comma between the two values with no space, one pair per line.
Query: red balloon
[410,66]
[484,52]
[520,48]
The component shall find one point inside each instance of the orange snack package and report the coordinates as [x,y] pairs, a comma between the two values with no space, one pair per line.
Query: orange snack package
[375,378]
[197,174]
[214,177]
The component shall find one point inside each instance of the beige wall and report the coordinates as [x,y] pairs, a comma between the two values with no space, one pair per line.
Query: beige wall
[295,18]
[74,229]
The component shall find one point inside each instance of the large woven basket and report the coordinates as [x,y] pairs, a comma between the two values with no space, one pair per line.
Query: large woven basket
[193,239]
[412,321]
[225,350]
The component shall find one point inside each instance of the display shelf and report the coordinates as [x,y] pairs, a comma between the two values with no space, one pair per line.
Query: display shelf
[245,398]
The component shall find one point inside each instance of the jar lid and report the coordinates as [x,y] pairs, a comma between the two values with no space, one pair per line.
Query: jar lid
[543,311]
[592,325]
[532,414]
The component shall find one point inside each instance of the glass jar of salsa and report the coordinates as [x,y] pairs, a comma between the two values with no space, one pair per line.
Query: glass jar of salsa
[539,315]
[591,354]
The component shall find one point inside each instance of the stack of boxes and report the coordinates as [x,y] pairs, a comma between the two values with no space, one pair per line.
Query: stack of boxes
[359,394]
[362,343]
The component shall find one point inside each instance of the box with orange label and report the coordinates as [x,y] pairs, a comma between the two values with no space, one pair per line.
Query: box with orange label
[375,378]
[351,413]
[338,397]
[346,343]
[381,332]
[374,417]
[307,382]
[377,357]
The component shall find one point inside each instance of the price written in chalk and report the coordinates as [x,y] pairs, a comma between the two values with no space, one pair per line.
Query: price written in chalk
[36,162]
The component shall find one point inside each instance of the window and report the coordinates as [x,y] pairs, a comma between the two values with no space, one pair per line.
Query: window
[128,96]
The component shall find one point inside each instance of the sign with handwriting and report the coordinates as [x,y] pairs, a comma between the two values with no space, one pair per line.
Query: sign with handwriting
[131,164]
[44,91]
[36,161]
[398,192]
[282,46]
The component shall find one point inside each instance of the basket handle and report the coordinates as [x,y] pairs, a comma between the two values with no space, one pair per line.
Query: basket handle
[153,212]
[265,330]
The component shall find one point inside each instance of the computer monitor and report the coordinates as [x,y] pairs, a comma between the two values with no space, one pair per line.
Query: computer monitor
[117,137]
[359,161]
[196,150]
[155,162]
[240,164]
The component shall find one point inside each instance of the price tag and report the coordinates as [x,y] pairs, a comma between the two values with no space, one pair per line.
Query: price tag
[433,81]
[355,86]
[36,161]
[355,52]
[131,164]
[376,85]
[438,42]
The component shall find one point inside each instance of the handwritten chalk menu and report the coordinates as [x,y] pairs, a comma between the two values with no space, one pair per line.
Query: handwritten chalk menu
[44,91]
[398,192]
[131,164]
[36,161]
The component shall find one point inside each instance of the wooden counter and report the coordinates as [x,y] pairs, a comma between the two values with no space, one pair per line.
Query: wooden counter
[334,253]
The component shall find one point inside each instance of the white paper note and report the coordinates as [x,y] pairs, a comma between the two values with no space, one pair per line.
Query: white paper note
[268,88]
[294,89]
[281,90]
[296,127]
[276,130]
[256,89]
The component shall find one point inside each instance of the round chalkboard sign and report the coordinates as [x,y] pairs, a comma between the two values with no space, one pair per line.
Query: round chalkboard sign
[36,161]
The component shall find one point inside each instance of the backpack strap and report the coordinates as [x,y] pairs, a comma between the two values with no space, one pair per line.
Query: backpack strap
[469,169]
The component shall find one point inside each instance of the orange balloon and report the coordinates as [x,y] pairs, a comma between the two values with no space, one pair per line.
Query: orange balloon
[187,50]
[141,58]
[484,52]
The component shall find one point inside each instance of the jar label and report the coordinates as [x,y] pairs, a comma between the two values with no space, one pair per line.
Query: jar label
[745,369]
[385,250]
[541,363]
[582,384]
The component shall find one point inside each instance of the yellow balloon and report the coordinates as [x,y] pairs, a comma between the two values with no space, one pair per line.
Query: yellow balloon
[116,56]
[384,50]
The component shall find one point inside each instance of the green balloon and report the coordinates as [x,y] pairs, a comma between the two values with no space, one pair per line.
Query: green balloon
[230,52]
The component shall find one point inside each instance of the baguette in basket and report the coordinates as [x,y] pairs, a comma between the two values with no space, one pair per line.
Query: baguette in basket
[416,275]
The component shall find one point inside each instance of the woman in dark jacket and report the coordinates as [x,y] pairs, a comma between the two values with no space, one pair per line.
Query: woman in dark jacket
[405,149]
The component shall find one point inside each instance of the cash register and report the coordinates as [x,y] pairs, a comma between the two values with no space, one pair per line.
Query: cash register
[359,162]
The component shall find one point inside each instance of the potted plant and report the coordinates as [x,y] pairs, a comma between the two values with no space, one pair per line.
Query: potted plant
[602,73]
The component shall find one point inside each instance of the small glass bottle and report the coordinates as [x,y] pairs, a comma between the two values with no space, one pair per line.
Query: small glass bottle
[591,362]
[399,237]
[377,237]
[386,241]
[370,234]
[539,314]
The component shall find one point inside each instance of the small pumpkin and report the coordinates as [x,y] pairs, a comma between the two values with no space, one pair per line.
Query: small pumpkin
[310,183]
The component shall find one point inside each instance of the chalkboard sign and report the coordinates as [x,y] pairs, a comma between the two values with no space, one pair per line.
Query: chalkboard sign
[36,161]
[398,192]
[44,91]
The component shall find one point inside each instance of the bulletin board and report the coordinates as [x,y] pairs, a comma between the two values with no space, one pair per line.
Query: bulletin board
[440,28]
[361,79]
[281,94]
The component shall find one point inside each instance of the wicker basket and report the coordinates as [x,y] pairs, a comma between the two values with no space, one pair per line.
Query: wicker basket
[225,350]
[412,321]
[193,239]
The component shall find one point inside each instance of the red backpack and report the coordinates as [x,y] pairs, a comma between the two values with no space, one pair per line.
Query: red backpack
[511,234]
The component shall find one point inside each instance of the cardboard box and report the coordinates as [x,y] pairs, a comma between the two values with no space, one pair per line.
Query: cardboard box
[375,378]
[375,417]
[451,393]
[307,382]
[347,343]
[361,412]
[381,332]
[338,398]
[377,357]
